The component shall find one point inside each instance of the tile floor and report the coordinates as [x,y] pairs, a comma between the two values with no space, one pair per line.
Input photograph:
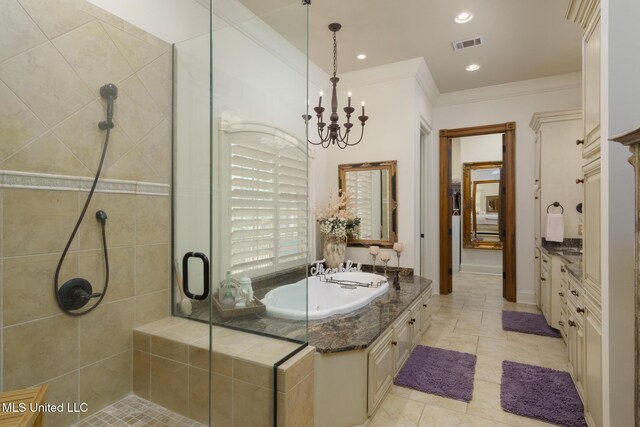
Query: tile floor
[470,320]
[138,412]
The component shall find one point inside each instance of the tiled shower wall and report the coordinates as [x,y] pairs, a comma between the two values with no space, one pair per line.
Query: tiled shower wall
[54,56]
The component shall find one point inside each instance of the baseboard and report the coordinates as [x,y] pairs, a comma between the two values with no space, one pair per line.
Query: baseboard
[481,269]
[526,298]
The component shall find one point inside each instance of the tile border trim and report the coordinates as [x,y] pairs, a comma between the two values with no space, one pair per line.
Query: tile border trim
[41,181]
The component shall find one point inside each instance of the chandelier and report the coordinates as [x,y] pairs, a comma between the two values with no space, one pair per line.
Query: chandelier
[334,133]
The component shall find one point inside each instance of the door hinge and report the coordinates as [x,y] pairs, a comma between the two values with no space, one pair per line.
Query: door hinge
[504,275]
[450,232]
[450,272]
[422,235]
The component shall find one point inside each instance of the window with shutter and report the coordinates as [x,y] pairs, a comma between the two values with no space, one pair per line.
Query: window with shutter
[267,203]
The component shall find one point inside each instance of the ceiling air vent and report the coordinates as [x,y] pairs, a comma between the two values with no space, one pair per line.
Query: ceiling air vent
[465,44]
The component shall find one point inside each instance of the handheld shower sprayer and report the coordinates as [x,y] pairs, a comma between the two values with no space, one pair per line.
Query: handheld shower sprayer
[110,93]
[77,292]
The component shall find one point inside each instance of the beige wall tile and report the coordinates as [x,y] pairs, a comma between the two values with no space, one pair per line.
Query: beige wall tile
[106,381]
[80,133]
[254,373]
[295,369]
[157,77]
[258,399]
[170,349]
[156,150]
[136,51]
[152,268]
[99,13]
[46,155]
[121,277]
[121,221]
[106,331]
[199,357]
[153,219]
[221,402]
[55,17]
[18,32]
[37,351]
[138,113]
[152,307]
[141,341]
[297,404]
[51,89]
[169,384]
[92,54]
[63,389]
[142,374]
[132,167]
[27,290]
[19,125]
[38,221]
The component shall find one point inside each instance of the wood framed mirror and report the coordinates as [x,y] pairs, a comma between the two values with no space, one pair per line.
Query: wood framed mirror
[375,196]
[481,205]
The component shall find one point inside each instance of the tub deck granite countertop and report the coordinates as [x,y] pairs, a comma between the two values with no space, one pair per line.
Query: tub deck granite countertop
[343,332]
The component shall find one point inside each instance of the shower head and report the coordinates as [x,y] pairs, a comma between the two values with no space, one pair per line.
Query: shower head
[110,93]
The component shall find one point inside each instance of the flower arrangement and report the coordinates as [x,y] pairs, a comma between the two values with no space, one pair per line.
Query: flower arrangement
[338,220]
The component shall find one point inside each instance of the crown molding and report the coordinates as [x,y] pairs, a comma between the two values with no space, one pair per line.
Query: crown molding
[554,116]
[514,89]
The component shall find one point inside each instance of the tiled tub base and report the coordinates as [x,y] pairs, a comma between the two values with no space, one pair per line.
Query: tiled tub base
[135,411]
[171,365]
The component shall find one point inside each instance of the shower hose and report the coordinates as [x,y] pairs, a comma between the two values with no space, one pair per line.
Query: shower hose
[100,216]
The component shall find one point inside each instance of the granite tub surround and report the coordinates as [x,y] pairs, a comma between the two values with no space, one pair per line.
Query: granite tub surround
[171,360]
[342,332]
[53,58]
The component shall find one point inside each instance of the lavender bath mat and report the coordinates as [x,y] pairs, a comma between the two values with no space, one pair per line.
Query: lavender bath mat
[528,323]
[541,393]
[433,370]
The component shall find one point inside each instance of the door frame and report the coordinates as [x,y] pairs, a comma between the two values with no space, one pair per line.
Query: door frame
[509,203]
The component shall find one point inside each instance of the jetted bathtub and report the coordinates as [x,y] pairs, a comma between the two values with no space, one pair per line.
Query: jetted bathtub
[325,298]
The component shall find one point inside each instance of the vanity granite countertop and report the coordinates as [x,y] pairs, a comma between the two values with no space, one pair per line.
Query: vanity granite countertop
[570,253]
[344,332]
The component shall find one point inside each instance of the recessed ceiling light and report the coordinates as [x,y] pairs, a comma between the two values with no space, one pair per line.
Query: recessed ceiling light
[472,67]
[361,56]
[463,17]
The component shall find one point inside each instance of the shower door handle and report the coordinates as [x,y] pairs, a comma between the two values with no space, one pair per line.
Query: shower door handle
[185,275]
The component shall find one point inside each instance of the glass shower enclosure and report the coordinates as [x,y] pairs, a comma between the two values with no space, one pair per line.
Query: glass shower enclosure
[203,189]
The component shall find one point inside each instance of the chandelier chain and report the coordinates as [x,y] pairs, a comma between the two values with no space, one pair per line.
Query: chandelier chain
[335,55]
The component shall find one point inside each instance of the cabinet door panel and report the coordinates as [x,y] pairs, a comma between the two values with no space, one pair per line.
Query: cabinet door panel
[593,368]
[591,214]
[402,340]
[381,372]
[591,91]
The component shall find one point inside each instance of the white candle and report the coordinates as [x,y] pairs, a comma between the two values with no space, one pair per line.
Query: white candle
[373,250]
[398,247]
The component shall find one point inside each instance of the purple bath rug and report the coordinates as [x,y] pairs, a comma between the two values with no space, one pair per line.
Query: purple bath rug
[433,370]
[528,323]
[541,393]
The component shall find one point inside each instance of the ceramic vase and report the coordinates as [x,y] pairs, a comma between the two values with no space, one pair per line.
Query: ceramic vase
[334,253]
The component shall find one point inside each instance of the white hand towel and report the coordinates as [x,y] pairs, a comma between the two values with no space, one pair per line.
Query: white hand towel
[555,227]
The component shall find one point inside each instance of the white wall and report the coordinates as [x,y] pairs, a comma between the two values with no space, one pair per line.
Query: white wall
[482,148]
[505,103]
[397,105]
[620,91]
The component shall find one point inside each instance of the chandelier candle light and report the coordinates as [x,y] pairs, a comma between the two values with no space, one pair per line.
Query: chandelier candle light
[333,133]
[374,250]
[385,256]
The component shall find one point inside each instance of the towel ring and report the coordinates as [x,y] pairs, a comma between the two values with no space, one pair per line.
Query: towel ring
[555,205]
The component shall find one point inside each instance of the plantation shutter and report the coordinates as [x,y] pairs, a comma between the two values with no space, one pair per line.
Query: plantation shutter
[360,185]
[267,204]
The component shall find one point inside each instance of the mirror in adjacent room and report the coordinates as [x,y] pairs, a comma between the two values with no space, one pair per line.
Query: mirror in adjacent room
[481,206]
[374,195]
